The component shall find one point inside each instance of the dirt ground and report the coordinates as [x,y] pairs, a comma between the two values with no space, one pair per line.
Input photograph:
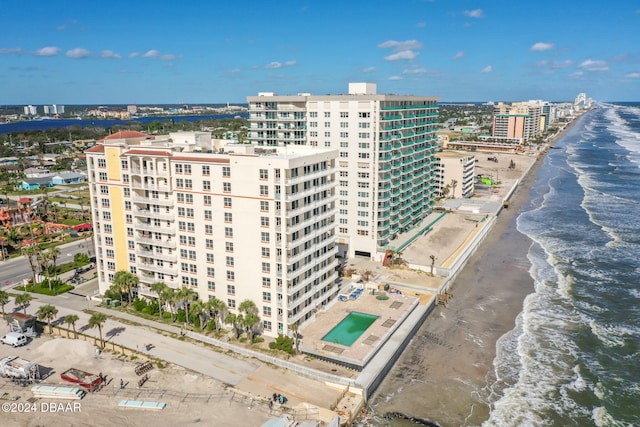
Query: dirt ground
[190,398]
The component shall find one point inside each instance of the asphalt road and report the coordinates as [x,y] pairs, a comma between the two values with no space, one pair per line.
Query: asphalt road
[13,271]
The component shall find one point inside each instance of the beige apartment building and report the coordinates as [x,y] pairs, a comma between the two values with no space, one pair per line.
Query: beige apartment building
[245,222]
[385,167]
[521,121]
[455,174]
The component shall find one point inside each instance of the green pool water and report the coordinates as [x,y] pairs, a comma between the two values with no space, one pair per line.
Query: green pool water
[350,328]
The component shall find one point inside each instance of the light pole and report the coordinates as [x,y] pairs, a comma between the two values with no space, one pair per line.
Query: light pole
[433,261]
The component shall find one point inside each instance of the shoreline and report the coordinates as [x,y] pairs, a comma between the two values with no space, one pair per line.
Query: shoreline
[440,375]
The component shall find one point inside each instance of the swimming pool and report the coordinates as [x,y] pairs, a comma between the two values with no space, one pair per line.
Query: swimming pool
[350,328]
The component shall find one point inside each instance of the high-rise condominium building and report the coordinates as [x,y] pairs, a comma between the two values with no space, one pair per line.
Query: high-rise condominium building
[240,223]
[518,121]
[385,165]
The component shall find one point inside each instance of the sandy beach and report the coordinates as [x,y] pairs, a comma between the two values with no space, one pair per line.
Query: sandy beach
[448,362]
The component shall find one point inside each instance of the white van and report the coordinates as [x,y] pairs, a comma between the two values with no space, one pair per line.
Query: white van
[15,339]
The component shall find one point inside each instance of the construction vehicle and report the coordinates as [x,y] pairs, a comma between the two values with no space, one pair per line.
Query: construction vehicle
[19,369]
[22,323]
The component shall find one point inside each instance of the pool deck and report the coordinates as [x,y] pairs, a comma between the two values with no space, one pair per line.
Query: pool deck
[391,313]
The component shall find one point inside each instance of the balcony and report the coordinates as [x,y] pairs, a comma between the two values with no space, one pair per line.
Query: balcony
[155,255]
[153,201]
[144,213]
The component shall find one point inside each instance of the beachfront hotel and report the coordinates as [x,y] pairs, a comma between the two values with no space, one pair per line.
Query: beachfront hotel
[385,166]
[520,121]
[235,222]
[455,176]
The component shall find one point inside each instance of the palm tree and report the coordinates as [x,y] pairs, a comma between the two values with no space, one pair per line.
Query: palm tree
[23,301]
[44,257]
[71,319]
[454,184]
[98,320]
[250,321]
[47,312]
[200,309]
[218,308]
[54,253]
[235,320]
[31,252]
[4,299]
[169,296]
[125,281]
[185,295]
[159,288]
[294,328]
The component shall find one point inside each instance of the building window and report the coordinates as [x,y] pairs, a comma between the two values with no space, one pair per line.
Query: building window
[226,171]
[231,289]
[124,164]
[266,311]
[228,246]
[266,252]
[208,215]
[264,237]
[266,324]
[210,257]
[266,267]
[102,163]
[211,272]
[264,206]
[206,170]
[211,285]
[266,282]
[228,232]
[228,217]
[226,187]
[231,303]
[207,200]
[231,275]
[179,168]
[266,296]
[264,221]
[208,229]
[264,174]
[227,202]
[206,185]
[209,243]
[264,190]
[230,261]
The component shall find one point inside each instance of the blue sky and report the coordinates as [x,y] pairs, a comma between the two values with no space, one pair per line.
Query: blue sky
[142,52]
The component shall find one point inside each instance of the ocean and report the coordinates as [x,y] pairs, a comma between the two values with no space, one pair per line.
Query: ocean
[573,358]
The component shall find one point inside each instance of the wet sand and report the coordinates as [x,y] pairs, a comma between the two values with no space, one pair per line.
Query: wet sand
[440,375]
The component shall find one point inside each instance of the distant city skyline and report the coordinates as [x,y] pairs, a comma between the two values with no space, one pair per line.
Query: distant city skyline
[217,52]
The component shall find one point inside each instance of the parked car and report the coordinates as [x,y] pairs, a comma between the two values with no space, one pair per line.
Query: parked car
[15,339]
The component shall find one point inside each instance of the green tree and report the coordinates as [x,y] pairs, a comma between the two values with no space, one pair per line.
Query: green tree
[170,296]
[218,308]
[235,320]
[47,312]
[185,295]
[23,301]
[54,253]
[250,319]
[4,299]
[294,328]
[71,319]
[125,282]
[31,252]
[159,288]
[98,320]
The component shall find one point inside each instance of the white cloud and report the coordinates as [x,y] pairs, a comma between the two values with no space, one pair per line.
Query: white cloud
[487,69]
[594,65]
[7,51]
[134,54]
[276,65]
[369,70]
[168,57]
[153,53]
[78,53]
[66,25]
[577,75]
[109,54]
[47,51]
[395,78]
[632,75]
[541,47]
[458,55]
[400,45]
[415,71]
[476,13]
[404,54]
[553,64]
